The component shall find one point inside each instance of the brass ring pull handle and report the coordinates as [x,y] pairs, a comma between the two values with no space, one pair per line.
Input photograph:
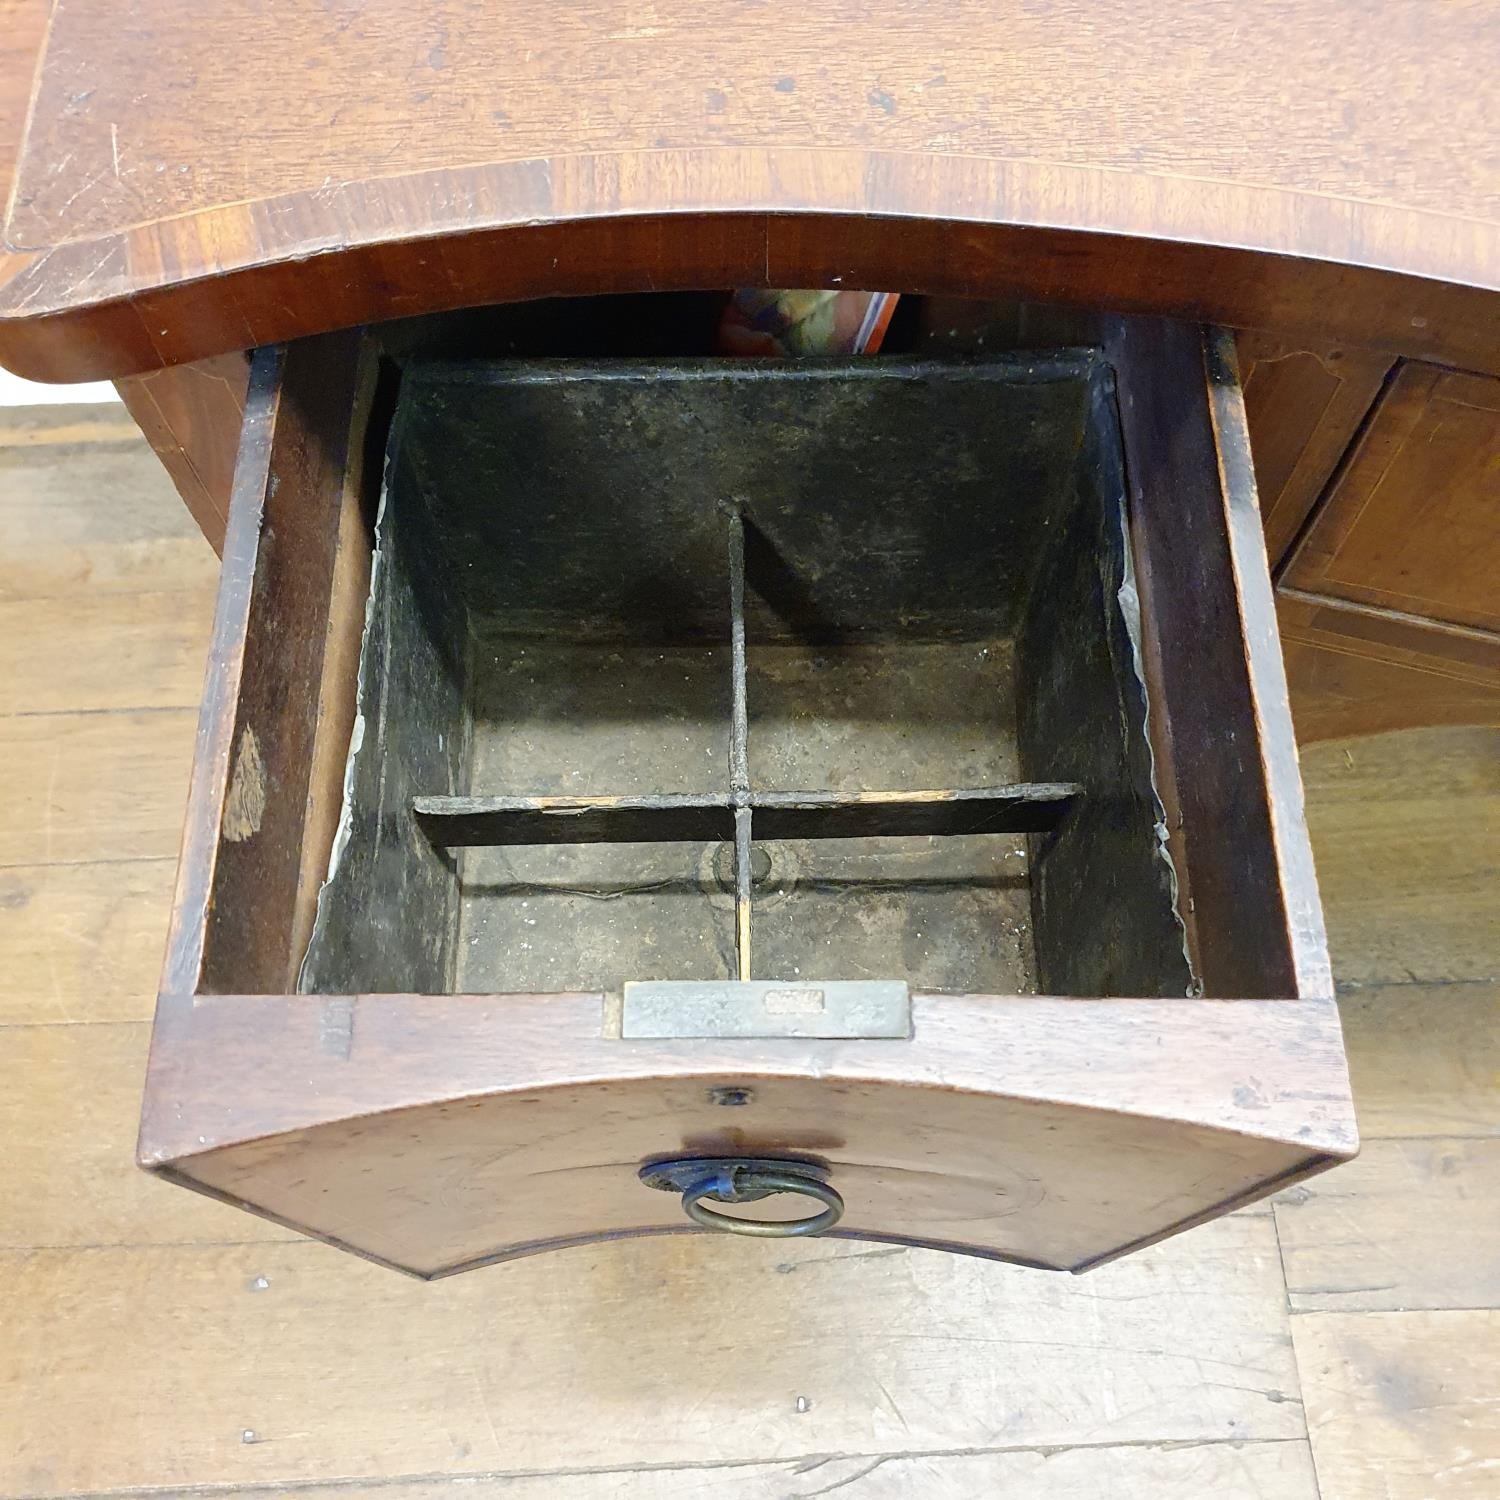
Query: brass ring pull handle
[745,1187]
[747,1180]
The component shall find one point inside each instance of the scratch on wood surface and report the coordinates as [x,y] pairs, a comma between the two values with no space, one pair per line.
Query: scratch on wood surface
[245,805]
[849,1479]
[336,1027]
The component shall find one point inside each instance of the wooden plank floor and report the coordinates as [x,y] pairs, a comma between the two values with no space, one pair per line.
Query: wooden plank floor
[1343,1344]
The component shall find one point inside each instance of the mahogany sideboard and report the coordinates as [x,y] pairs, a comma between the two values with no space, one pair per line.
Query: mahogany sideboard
[183,187]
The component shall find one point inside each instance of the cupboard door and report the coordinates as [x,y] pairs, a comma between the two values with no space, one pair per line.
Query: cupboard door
[191,415]
[1303,405]
[1353,670]
[1413,523]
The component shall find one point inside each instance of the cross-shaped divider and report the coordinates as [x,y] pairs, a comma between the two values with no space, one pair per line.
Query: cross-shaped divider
[738,813]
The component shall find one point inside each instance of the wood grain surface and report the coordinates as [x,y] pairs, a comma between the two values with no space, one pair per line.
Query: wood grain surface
[1403,1406]
[1228,1471]
[80,512]
[1413,522]
[1440,816]
[139,1353]
[95,786]
[1449,1256]
[100,1068]
[191,415]
[1208,629]
[1425,1060]
[1304,406]
[595,1322]
[354,164]
[375,1120]
[1356,670]
[82,942]
[23,29]
[106,650]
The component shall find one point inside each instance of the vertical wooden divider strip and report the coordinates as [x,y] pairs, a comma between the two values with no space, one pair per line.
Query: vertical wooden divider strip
[739,744]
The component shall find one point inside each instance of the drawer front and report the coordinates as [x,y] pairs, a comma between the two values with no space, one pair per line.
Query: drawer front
[1413,523]
[438,1131]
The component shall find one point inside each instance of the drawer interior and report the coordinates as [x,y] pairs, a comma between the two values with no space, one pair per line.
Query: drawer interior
[697,669]
[529,680]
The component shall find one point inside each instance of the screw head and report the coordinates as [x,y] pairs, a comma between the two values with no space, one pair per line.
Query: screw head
[731,1098]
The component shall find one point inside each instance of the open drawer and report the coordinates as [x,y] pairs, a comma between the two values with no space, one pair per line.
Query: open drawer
[872,782]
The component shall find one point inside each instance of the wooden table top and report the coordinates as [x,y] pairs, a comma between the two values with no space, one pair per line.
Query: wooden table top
[189,179]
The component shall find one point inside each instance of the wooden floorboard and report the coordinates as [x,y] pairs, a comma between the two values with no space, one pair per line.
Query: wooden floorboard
[83,942]
[105,650]
[83,514]
[1406,836]
[81,1190]
[1403,1406]
[1350,1240]
[1189,1471]
[86,787]
[1425,1059]
[151,1340]
[679,1350]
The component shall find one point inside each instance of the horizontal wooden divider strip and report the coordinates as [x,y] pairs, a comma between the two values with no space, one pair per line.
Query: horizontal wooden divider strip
[466,822]
[1025,807]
